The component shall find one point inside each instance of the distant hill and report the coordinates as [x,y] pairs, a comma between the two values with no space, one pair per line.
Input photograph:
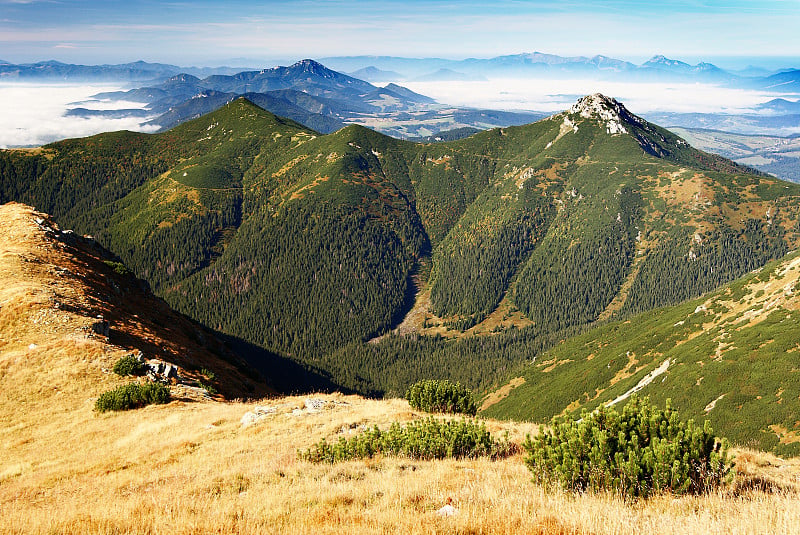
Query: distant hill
[675,66]
[373,74]
[782,106]
[779,156]
[48,71]
[406,93]
[787,81]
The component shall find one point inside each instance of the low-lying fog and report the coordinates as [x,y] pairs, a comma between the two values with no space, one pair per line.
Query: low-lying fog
[33,114]
[557,95]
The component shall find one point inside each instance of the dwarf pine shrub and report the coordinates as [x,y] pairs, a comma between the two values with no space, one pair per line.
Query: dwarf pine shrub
[441,396]
[640,452]
[421,439]
[128,365]
[132,396]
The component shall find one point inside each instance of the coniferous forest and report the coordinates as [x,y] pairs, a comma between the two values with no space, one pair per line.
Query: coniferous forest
[310,245]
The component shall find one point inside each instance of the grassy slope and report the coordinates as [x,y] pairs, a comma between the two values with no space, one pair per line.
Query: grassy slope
[54,286]
[732,360]
[192,468]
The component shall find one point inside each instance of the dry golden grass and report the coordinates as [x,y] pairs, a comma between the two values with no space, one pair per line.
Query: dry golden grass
[191,467]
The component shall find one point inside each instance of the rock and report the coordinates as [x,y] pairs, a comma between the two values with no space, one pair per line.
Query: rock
[256,415]
[101,327]
[447,509]
[158,370]
[170,371]
[315,404]
[191,392]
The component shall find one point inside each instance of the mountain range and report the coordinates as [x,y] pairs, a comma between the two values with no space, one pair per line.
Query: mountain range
[124,72]
[367,262]
[311,94]
[390,68]
[538,64]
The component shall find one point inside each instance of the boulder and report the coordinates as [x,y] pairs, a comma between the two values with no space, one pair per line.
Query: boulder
[256,415]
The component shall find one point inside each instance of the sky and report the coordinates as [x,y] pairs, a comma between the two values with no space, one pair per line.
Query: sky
[205,33]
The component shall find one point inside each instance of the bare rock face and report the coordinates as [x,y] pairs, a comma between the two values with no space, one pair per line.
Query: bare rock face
[606,110]
[160,371]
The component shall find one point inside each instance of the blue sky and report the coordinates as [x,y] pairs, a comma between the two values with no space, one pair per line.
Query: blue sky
[212,33]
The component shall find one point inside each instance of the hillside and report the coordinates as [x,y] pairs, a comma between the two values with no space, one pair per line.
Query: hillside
[202,465]
[70,310]
[729,357]
[509,240]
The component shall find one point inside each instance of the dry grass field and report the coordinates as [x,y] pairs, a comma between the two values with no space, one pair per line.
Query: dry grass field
[193,467]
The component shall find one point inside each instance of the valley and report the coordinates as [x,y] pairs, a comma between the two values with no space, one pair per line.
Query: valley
[463,260]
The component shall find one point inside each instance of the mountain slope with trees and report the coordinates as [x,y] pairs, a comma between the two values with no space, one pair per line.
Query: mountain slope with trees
[310,245]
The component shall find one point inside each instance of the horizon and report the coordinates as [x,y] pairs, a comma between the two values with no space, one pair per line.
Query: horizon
[730,63]
[731,34]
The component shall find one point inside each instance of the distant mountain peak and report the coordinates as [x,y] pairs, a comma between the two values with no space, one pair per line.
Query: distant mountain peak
[660,61]
[183,77]
[605,109]
[309,65]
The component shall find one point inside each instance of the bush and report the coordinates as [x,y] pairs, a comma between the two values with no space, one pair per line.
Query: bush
[441,396]
[422,439]
[132,396]
[637,453]
[129,365]
[118,267]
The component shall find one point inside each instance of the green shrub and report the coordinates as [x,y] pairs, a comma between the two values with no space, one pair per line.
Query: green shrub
[118,267]
[422,439]
[132,396]
[642,451]
[441,396]
[129,365]
[208,374]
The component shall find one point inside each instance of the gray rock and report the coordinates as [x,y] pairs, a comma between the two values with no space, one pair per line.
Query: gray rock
[256,415]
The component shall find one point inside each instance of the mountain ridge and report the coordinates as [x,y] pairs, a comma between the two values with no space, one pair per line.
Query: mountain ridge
[63,295]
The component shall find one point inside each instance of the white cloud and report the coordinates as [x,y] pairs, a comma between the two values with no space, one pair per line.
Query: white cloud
[34,114]
[557,95]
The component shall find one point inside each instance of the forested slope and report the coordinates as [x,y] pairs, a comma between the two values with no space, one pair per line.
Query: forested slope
[310,245]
